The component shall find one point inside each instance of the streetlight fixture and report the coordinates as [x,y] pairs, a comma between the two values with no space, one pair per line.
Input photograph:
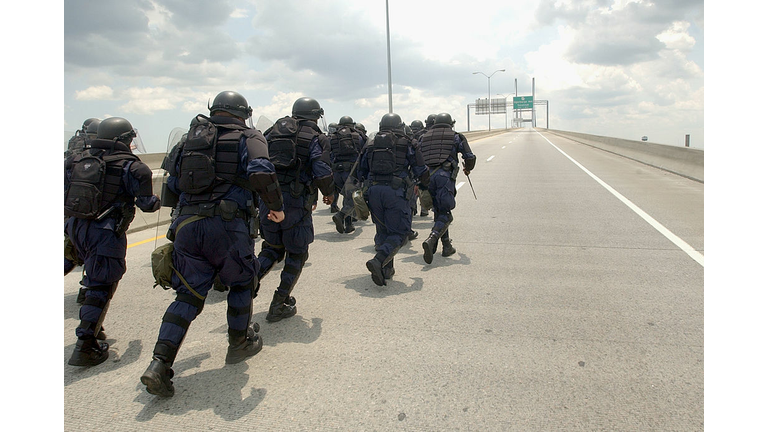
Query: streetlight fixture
[489,92]
[505,107]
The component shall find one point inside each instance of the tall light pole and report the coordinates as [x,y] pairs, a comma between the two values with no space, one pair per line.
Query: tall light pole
[489,92]
[389,60]
[505,107]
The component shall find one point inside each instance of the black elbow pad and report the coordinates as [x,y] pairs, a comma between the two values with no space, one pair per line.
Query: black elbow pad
[325,184]
[268,188]
[469,164]
[143,174]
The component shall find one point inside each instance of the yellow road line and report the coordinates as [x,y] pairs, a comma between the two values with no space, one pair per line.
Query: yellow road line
[145,241]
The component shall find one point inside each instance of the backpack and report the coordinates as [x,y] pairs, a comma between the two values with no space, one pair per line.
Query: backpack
[86,192]
[347,145]
[382,154]
[197,169]
[282,143]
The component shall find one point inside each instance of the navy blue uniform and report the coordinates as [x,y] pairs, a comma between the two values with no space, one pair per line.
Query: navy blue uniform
[217,243]
[101,244]
[290,239]
[388,200]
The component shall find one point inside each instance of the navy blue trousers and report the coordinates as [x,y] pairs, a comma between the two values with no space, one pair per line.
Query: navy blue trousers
[102,251]
[391,213]
[202,250]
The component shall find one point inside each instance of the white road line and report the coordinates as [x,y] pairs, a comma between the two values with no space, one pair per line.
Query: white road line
[489,159]
[685,247]
[458,186]
[503,147]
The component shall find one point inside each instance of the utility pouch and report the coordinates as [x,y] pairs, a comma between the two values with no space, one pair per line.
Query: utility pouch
[296,189]
[228,209]
[70,253]
[207,209]
[396,183]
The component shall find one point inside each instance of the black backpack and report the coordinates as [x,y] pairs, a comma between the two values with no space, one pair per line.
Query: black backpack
[347,145]
[197,169]
[86,197]
[382,154]
[282,144]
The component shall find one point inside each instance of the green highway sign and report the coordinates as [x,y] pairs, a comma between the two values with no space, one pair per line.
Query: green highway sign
[522,102]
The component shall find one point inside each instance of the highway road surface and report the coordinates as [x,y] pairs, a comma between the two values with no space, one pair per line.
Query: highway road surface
[575,302]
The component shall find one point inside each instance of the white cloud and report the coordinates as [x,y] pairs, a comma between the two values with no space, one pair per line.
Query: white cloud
[677,37]
[101,92]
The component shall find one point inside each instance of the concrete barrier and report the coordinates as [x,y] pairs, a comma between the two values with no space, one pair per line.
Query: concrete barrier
[683,161]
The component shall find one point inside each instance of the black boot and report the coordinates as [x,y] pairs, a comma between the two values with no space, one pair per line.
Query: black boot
[374,266]
[89,352]
[413,235]
[338,219]
[448,249]
[158,375]
[243,346]
[348,227]
[430,247]
[281,307]
[388,271]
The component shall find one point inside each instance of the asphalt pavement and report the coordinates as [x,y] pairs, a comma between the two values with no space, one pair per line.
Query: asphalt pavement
[563,309]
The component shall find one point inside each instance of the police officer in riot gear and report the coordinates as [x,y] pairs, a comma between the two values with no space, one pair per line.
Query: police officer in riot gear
[346,144]
[80,139]
[387,166]
[102,186]
[418,129]
[300,152]
[334,205]
[77,147]
[440,147]
[215,171]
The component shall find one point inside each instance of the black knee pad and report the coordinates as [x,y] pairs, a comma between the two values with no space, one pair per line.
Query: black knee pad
[274,252]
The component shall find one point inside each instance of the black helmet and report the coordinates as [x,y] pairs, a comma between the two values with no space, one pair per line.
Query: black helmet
[391,121]
[346,120]
[87,122]
[430,120]
[233,103]
[417,124]
[307,108]
[360,126]
[408,130]
[444,118]
[116,129]
[332,127]
[93,127]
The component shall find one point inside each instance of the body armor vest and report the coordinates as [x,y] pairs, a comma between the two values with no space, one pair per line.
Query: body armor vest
[223,159]
[345,144]
[399,157]
[437,145]
[290,177]
[97,179]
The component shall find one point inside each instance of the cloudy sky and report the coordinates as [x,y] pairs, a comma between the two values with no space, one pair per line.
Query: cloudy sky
[623,68]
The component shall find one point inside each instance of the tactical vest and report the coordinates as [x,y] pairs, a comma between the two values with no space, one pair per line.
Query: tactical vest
[208,167]
[289,178]
[76,144]
[437,145]
[96,179]
[345,146]
[386,163]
